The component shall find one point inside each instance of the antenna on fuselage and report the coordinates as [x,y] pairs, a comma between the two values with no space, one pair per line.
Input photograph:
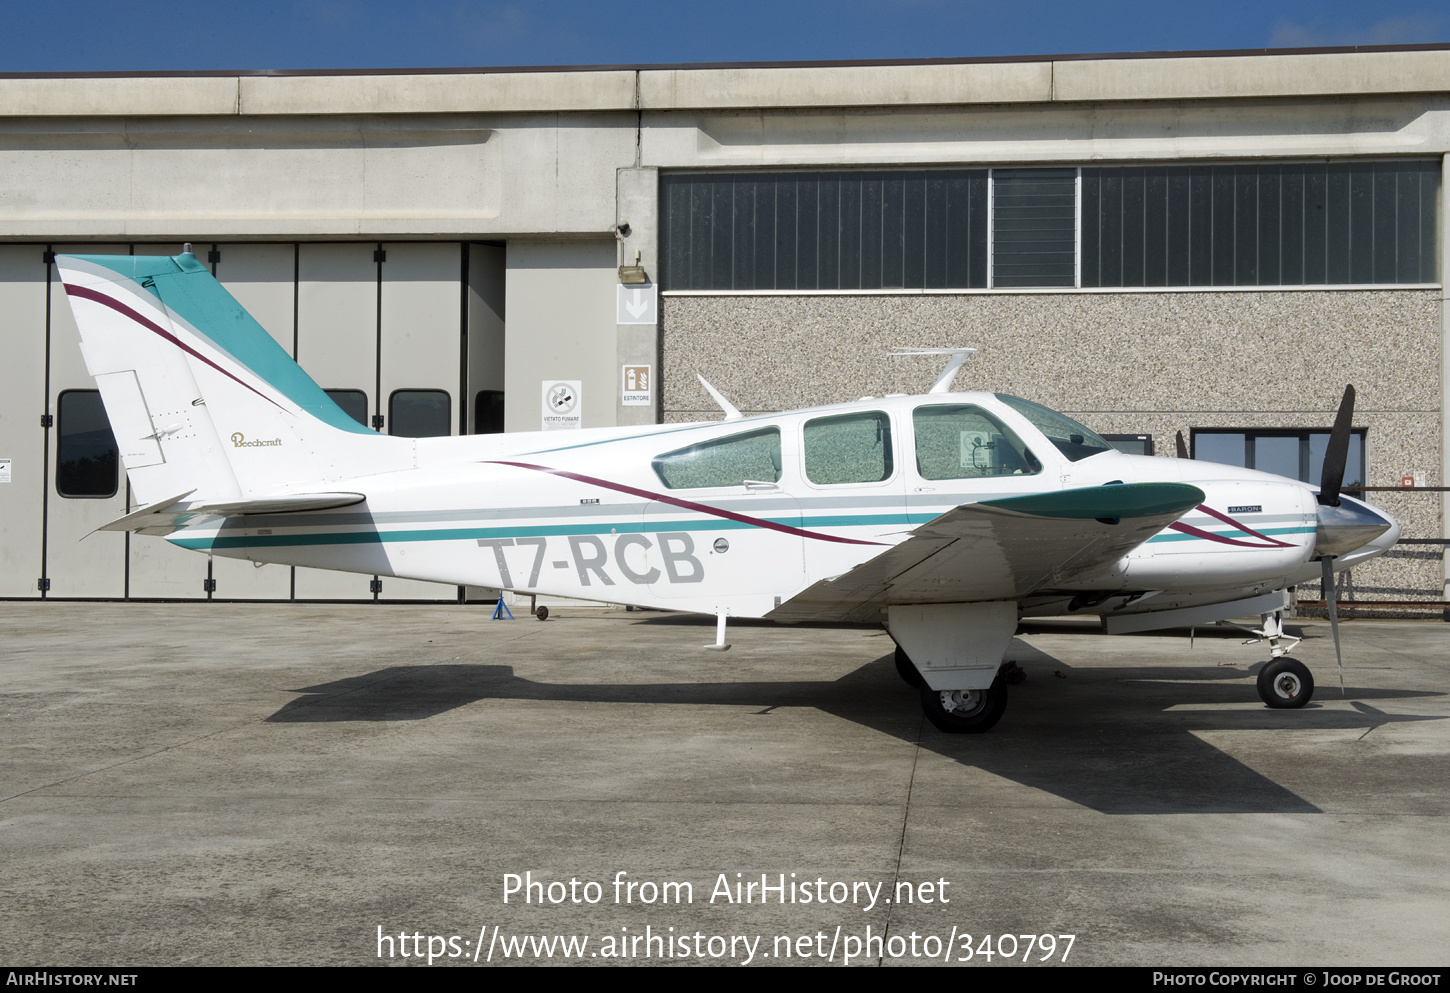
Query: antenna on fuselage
[943,382]
[731,414]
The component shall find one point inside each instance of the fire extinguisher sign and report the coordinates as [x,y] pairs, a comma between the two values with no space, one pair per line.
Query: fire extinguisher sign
[636,386]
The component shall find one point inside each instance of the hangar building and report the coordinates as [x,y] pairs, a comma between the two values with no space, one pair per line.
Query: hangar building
[1205,243]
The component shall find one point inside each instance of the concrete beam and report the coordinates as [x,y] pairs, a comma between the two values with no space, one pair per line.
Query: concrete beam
[111,97]
[845,86]
[438,93]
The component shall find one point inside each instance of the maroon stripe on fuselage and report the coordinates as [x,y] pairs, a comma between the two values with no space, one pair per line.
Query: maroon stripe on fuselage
[1244,528]
[87,293]
[687,504]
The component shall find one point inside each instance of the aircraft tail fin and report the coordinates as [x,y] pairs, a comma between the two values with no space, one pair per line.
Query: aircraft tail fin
[199,395]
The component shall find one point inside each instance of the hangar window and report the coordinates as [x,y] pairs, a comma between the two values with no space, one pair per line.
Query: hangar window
[488,412]
[1293,224]
[420,414]
[850,448]
[1293,453]
[86,458]
[733,461]
[854,230]
[1034,227]
[354,404]
[955,441]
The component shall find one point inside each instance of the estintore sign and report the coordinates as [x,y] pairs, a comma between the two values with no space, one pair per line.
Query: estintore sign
[5,470]
[563,410]
[635,387]
[638,304]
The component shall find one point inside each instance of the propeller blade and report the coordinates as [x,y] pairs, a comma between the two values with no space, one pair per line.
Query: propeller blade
[1329,601]
[1182,448]
[1337,453]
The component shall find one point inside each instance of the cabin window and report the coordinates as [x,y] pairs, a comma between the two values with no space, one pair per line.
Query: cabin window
[86,457]
[850,448]
[1072,439]
[733,461]
[955,441]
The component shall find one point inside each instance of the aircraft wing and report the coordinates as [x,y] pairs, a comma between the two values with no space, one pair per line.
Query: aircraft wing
[166,516]
[998,550]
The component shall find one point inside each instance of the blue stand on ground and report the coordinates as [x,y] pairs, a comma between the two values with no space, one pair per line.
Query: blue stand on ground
[501,610]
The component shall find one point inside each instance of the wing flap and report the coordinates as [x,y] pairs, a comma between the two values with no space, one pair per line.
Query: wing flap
[999,550]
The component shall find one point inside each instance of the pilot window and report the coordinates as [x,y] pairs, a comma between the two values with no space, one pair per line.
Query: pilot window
[753,457]
[85,457]
[964,442]
[850,448]
[1072,439]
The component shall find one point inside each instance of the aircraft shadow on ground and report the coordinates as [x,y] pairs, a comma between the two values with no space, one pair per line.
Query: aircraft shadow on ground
[1116,740]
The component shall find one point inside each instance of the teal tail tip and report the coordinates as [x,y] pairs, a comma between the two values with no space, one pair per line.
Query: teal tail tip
[188,261]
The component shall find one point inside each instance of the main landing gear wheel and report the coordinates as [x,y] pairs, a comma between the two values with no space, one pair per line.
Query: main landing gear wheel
[542,613]
[906,669]
[965,711]
[1285,683]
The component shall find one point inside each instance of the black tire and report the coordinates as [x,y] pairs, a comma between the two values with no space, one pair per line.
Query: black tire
[974,711]
[1285,684]
[906,669]
[542,613]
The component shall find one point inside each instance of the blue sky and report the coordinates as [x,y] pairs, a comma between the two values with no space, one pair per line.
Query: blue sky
[142,35]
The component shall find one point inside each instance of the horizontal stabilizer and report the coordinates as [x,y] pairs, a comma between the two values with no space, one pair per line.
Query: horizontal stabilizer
[172,513]
[999,550]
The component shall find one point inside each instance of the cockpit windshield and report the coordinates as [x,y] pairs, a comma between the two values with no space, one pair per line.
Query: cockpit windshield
[1072,439]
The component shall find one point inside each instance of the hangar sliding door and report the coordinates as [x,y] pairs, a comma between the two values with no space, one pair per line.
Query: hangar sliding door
[79,563]
[23,480]
[420,327]
[337,321]
[261,278]
[157,569]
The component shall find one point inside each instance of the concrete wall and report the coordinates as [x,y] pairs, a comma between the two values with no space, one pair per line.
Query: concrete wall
[1122,362]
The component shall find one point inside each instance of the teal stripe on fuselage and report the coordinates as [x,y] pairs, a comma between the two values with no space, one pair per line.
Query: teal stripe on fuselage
[1239,535]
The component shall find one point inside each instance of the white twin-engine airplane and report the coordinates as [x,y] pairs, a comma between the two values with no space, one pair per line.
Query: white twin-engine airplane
[945,517]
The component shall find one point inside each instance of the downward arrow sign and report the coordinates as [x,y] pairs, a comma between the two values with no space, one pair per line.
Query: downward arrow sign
[637,303]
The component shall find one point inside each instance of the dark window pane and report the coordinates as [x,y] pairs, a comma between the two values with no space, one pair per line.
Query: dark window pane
[1316,225]
[1180,227]
[977,229]
[786,217]
[1132,227]
[808,235]
[1110,221]
[86,458]
[1291,227]
[1224,448]
[1246,226]
[1034,222]
[1386,244]
[851,233]
[488,412]
[675,251]
[763,275]
[1155,228]
[419,414]
[742,268]
[354,404]
[1275,453]
[1407,225]
[1092,185]
[938,228]
[1429,232]
[1222,244]
[1336,224]
[871,232]
[1361,223]
[1200,228]
[893,231]
[913,255]
[1130,444]
[722,232]
[1271,216]
[702,234]
[829,222]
